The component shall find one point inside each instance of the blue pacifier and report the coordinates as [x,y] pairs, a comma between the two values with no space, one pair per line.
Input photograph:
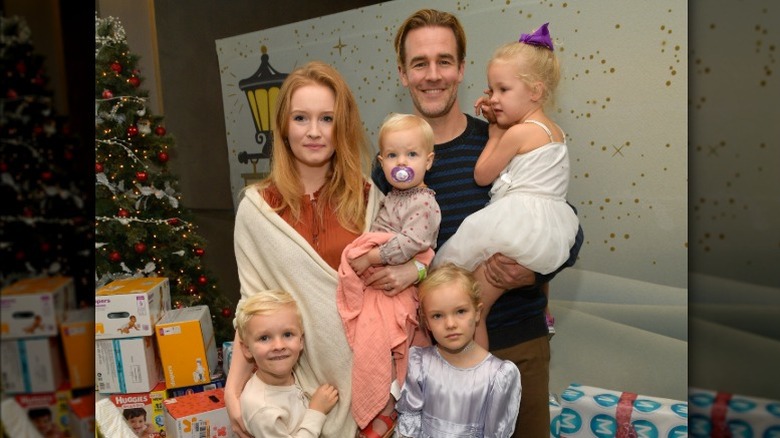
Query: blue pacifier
[402,174]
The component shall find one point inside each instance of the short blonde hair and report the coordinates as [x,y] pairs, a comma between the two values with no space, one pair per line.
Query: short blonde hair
[395,122]
[449,274]
[264,303]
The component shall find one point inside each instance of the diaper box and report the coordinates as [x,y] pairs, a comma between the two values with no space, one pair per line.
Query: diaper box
[202,414]
[195,364]
[217,381]
[30,365]
[130,307]
[77,334]
[143,411]
[49,411]
[126,365]
[82,416]
[34,306]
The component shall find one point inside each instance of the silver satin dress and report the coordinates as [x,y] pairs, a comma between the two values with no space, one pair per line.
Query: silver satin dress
[439,400]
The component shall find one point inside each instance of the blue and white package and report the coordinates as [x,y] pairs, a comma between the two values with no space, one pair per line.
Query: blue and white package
[716,413]
[227,356]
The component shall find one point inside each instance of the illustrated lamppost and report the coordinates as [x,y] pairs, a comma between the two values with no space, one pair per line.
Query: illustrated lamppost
[261,90]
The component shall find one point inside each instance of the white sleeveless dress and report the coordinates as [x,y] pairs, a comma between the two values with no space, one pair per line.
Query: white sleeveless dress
[527,218]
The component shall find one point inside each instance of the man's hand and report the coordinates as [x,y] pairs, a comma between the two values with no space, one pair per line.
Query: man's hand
[504,273]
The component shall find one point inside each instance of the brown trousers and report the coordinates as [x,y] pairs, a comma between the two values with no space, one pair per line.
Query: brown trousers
[533,359]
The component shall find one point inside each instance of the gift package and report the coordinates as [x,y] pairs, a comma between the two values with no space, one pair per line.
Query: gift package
[595,412]
[194,365]
[202,414]
[131,307]
[724,414]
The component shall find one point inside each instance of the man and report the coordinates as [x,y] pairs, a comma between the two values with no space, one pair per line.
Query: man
[431,47]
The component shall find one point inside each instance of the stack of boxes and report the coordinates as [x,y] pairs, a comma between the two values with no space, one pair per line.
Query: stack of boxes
[41,370]
[147,353]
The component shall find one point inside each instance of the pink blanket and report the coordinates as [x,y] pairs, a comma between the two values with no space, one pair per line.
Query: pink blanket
[376,326]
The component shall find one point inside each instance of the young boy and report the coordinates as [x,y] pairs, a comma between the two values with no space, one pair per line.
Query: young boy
[270,329]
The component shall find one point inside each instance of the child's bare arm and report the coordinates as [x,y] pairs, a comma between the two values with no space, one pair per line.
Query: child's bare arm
[360,264]
[324,398]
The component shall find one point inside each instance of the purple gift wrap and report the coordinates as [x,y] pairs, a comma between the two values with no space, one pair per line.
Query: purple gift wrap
[588,411]
[721,415]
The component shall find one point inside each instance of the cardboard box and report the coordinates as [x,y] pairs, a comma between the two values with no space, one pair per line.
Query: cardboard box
[48,411]
[595,412]
[31,365]
[143,409]
[217,381]
[202,414]
[82,416]
[77,334]
[126,365]
[188,349]
[33,307]
[130,307]
[724,414]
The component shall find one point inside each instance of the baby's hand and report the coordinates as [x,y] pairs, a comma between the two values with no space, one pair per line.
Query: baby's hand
[482,106]
[360,264]
[324,398]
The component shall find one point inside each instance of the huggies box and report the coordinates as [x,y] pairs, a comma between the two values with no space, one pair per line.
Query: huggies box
[33,307]
[130,307]
[144,410]
[126,365]
[30,365]
[188,349]
[77,332]
[48,411]
[202,414]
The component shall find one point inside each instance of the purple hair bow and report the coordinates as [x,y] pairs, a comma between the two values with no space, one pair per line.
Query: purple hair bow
[540,37]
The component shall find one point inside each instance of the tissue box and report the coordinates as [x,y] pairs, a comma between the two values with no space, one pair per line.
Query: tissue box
[49,411]
[217,381]
[555,416]
[131,307]
[126,365]
[188,349]
[594,412]
[82,416]
[33,307]
[147,405]
[202,414]
[30,365]
[77,333]
[726,414]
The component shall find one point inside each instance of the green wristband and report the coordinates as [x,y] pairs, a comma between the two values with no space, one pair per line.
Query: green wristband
[422,271]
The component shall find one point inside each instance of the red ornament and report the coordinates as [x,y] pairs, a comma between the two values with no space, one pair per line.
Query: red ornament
[20,255]
[123,213]
[99,168]
[45,247]
[11,94]
[134,81]
[116,67]
[203,280]
[3,167]
[47,175]
[140,247]
[132,131]
[107,94]
[227,312]
[163,157]
[141,176]
[160,130]
[192,290]
[37,130]
[174,221]
[199,252]
[27,212]
[115,257]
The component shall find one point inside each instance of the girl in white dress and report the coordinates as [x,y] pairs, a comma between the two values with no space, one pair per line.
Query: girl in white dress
[526,159]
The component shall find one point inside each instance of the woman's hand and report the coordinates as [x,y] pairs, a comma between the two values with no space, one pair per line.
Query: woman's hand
[392,279]
[504,273]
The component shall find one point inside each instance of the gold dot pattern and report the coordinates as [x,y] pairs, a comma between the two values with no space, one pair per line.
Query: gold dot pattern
[622,101]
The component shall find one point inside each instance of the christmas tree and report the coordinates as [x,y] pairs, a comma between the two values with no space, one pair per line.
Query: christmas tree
[46,210]
[141,227]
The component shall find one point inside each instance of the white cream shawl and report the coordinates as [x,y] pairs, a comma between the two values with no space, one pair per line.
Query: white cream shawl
[270,254]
